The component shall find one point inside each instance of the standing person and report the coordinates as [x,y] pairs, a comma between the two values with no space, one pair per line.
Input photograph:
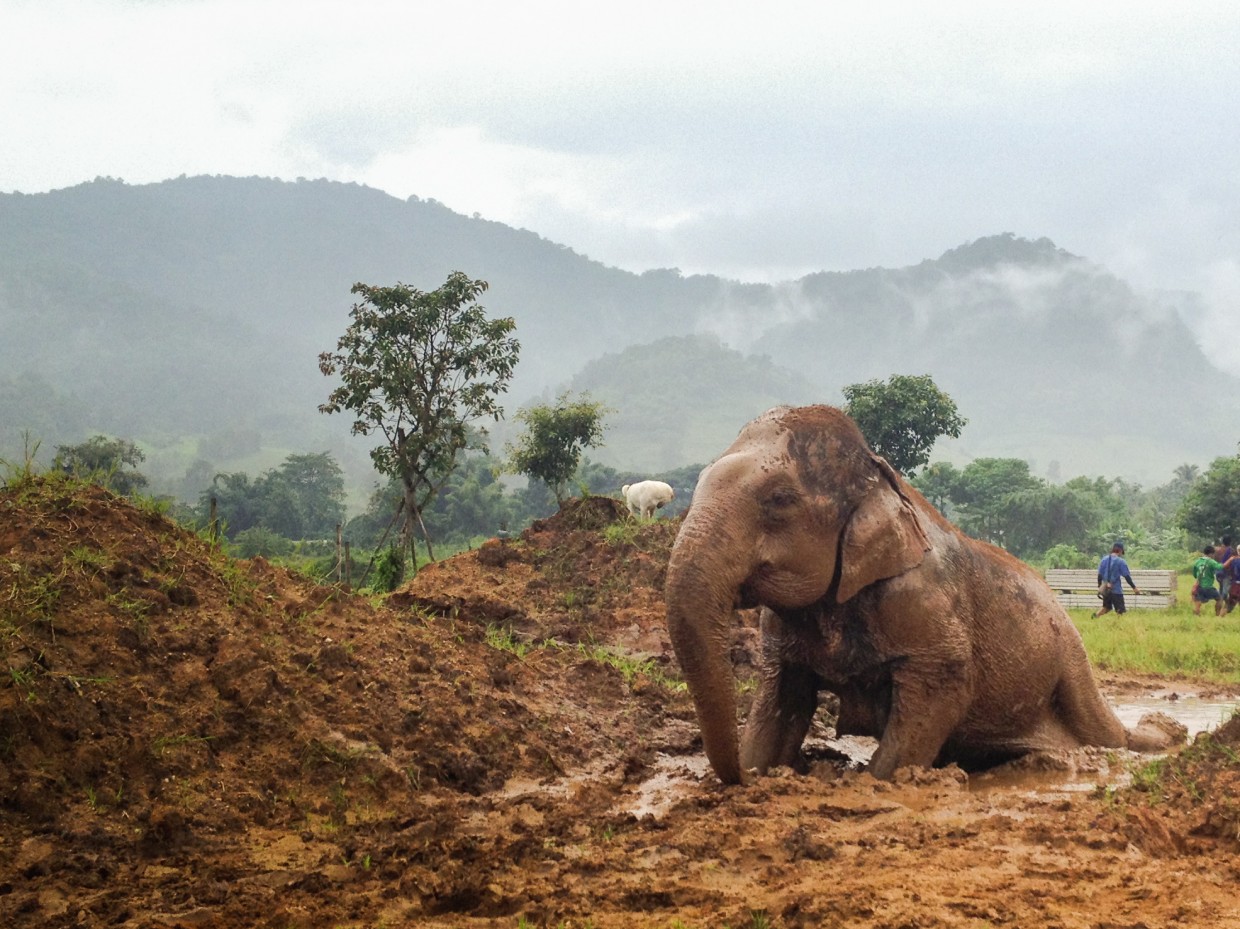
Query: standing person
[1205,571]
[1111,570]
[1233,593]
[1224,577]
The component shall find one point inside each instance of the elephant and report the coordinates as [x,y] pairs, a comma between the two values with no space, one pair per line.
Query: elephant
[944,648]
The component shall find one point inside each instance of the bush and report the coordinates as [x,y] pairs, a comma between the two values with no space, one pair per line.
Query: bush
[256,541]
[1065,556]
[389,570]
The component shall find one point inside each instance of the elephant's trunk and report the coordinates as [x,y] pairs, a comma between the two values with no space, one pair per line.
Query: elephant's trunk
[704,576]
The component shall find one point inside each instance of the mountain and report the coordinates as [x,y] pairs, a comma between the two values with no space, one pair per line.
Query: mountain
[1051,358]
[682,399]
[189,315]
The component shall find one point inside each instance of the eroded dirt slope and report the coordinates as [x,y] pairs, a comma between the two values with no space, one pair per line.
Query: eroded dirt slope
[191,741]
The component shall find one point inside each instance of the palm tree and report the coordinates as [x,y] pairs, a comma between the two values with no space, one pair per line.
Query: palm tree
[1186,473]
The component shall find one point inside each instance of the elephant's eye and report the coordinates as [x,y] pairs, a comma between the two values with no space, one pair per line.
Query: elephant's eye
[781,499]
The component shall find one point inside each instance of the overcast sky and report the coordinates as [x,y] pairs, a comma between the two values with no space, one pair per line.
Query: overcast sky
[759,141]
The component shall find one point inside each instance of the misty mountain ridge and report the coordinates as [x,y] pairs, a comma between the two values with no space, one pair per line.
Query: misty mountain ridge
[188,315]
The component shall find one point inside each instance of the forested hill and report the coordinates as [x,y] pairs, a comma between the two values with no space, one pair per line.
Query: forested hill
[189,315]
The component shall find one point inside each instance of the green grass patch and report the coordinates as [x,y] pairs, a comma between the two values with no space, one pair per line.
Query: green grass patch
[629,666]
[504,639]
[1171,642]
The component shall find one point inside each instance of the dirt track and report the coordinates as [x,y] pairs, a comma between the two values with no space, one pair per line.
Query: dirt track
[189,741]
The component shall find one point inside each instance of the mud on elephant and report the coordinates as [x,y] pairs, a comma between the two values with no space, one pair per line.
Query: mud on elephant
[944,648]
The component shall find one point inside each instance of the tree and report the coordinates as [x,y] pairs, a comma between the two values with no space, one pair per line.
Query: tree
[304,497]
[1186,473]
[238,501]
[1211,509]
[472,503]
[1038,518]
[555,436]
[983,491]
[419,368]
[939,483]
[103,461]
[903,418]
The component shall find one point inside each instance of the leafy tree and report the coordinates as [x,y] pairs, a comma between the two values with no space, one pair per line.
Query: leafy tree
[903,418]
[1115,504]
[1038,518]
[1158,510]
[555,436]
[418,367]
[1211,508]
[303,498]
[103,461]
[472,503]
[939,484]
[238,502]
[982,491]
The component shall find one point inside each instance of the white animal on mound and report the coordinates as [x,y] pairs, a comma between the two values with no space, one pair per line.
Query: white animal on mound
[645,497]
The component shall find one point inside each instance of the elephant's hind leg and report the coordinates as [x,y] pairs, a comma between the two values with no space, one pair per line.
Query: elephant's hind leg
[1082,709]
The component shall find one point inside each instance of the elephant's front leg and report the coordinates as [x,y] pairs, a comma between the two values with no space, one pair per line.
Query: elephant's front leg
[783,708]
[928,703]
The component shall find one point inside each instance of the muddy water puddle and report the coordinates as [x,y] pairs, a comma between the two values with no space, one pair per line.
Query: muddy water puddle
[1197,713]
[674,778]
[678,777]
[1087,769]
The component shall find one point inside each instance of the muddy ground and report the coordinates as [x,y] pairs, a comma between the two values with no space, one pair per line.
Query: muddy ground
[191,741]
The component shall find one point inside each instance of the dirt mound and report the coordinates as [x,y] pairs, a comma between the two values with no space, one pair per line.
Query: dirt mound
[589,574]
[1187,802]
[188,740]
[163,701]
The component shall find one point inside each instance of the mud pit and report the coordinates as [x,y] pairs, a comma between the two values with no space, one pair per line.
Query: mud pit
[188,741]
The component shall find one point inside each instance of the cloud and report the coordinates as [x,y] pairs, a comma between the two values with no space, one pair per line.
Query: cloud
[758,143]
[1216,328]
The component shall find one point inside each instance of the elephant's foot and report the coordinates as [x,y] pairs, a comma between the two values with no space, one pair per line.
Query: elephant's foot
[1156,732]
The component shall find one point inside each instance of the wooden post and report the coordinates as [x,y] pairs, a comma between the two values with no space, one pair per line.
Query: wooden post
[348,567]
[213,526]
[339,556]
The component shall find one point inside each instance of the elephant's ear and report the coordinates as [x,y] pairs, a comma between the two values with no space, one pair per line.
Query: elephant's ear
[883,538]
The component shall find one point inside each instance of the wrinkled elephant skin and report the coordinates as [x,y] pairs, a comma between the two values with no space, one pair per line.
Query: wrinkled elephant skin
[944,648]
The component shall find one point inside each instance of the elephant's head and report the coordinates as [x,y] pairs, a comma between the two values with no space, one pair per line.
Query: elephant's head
[797,509]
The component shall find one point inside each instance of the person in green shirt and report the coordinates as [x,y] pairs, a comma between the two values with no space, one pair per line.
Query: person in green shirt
[1205,570]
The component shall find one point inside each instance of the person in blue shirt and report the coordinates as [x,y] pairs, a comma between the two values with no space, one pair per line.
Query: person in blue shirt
[1223,554]
[1110,571]
[1233,591]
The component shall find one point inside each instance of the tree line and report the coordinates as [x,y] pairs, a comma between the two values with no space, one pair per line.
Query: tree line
[423,371]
